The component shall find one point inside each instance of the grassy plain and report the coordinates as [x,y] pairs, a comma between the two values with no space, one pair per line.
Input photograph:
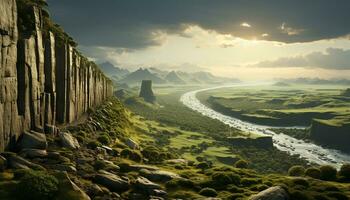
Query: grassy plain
[294,105]
[194,136]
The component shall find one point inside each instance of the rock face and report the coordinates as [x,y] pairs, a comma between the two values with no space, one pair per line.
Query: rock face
[146,91]
[42,81]
[331,134]
[273,193]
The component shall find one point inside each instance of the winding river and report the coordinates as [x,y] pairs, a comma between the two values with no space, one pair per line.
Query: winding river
[309,151]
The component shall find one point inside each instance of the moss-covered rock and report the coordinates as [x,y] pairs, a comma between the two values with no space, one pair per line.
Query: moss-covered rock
[35,185]
[296,171]
[208,192]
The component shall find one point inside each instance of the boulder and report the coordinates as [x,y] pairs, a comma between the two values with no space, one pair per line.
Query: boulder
[32,140]
[94,190]
[177,161]
[68,141]
[146,185]
[159,175]
[17,162]
[108,149]
[111,166]
[140,167]
[131,144]
[64,168]
[33,153]
[111,181]
[272,193]
[3,163]
[69,190]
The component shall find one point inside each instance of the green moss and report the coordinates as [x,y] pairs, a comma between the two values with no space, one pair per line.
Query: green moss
[241,164]
[180,183]
[345,171]
[208,192]
[313,172]
[225,178]
[328,173]
[296,171]
[104,139]
[35,185]
[131,154]
[99,164]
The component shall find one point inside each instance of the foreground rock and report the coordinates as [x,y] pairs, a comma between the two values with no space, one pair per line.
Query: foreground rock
[159,175]
[272,193]
[17,162]
[69,189]
[32,140]
[177,161]
[68,141]
[131,144]
[111,181]
[140,167]
[146,186]
[33,153]
[3,163]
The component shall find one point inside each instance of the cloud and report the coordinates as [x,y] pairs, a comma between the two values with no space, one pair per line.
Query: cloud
[289,30]
[245,24]
[332,58]
[136,24]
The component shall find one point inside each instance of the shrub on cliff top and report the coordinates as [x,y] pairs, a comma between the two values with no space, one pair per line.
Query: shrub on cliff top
[241,164]
[93,144]
[296,170]
[104,139]
[208,192]
[313,172]
[345,171]
[131,154]
[36,185]
[225,178]
[328,173]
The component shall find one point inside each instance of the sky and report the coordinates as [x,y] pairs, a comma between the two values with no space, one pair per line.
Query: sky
[245,39]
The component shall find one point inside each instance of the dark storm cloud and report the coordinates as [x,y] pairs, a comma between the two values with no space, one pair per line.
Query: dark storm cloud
[333,58]
[134,23]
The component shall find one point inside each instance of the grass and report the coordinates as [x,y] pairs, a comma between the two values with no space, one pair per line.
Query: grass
[175,128]
[270,105]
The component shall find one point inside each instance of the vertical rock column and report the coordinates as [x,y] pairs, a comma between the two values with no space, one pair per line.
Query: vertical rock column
[9,120]
[50,84]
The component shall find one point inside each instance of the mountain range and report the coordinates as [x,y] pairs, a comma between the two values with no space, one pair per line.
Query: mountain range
[159,76]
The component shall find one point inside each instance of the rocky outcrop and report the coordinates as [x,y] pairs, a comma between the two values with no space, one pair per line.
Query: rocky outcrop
[273,193]
[331,134]
[146,91]
[43,82]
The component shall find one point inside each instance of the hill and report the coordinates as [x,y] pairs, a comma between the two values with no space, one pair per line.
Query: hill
[110,70]
[172,77]
[142,74]
[346,92]
[316,81]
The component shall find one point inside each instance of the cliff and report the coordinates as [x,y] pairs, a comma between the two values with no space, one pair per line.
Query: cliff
[44,81]
[331,134]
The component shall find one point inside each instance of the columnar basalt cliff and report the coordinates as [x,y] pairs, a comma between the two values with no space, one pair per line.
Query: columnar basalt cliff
[44,81]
